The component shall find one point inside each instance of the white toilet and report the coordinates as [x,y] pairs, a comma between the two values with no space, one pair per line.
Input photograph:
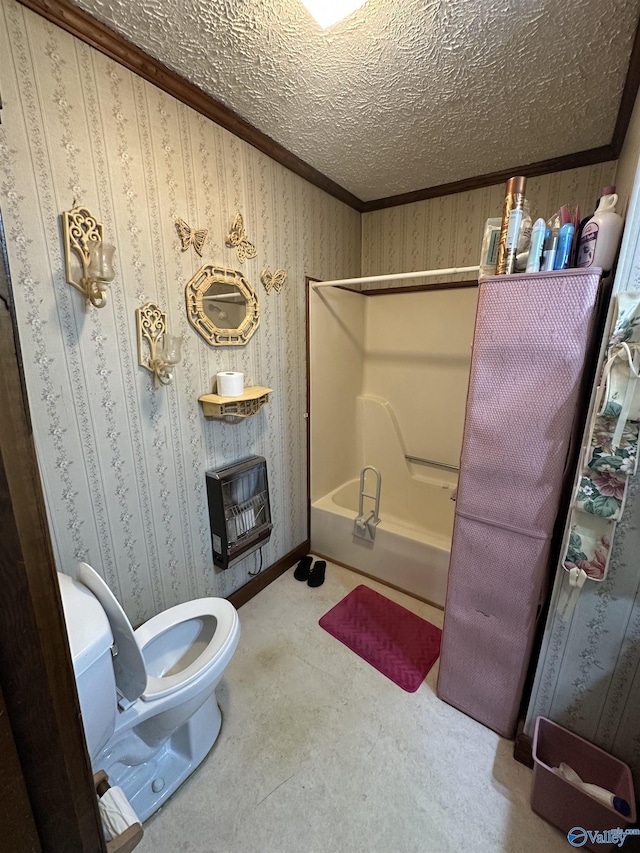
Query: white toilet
[147,697]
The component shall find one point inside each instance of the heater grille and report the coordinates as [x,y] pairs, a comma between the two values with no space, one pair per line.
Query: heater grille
[239,510]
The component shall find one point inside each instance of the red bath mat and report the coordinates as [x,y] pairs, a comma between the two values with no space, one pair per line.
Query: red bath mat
[395,641]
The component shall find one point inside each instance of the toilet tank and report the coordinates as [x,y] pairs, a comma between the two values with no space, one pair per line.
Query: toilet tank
[90,640]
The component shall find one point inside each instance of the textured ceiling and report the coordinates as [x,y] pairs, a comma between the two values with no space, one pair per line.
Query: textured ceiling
[403,94]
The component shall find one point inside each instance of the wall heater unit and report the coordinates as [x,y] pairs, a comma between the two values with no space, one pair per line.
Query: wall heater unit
[239,510]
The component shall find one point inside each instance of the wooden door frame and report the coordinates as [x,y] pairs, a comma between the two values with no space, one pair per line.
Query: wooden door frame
[36,673]
[18,823]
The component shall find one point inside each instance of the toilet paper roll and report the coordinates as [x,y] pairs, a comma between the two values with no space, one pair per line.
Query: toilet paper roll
[116,813]
[230,383]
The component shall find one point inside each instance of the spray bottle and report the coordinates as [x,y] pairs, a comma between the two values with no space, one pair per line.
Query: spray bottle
[512,215]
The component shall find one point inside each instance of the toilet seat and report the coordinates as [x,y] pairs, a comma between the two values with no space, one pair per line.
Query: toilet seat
[128,663]
[131,672]
[223,637]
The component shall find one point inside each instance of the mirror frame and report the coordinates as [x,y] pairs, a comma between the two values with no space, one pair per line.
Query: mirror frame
[195,291]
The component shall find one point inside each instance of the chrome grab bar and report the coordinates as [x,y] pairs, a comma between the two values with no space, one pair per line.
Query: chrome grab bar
[422,461]
[366,527]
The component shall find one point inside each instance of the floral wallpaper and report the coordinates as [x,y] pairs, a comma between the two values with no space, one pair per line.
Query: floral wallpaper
[587,676]
[123,465]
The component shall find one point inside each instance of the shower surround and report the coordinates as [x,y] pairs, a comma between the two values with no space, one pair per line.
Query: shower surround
[389,378]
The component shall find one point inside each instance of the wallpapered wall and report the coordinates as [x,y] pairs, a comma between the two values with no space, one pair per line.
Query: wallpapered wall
[443,232]
[588,673]
[122,464]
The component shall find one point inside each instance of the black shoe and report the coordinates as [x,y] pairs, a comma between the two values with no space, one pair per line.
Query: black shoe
[316,575]
[304,567]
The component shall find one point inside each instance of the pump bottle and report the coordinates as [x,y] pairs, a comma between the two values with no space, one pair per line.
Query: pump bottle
[601,235]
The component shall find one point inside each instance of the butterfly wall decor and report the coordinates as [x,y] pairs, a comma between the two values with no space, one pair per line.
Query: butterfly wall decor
[273,280]
[191,236]
[237,239]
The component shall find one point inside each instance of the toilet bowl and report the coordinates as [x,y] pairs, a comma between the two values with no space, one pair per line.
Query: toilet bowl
[147,696]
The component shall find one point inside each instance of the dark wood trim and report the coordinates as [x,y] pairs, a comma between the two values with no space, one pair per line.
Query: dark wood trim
[251,589]
[341,287]
[543,167]
[92,31]
[36,673]
[307,289]
[629,94]
[523,749]
[405,288]
[17,826]
[418,288]
[87,28]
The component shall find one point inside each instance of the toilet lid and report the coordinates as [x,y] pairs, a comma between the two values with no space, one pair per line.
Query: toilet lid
[128,664]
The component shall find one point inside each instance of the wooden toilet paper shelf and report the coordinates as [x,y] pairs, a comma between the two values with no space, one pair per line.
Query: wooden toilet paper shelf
[247,404]
[132,836]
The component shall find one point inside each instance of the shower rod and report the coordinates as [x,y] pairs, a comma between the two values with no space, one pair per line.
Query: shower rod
[393,276]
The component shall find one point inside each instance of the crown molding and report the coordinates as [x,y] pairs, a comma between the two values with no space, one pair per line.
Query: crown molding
[541,167]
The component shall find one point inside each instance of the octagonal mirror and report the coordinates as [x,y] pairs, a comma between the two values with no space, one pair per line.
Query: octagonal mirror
[222,306]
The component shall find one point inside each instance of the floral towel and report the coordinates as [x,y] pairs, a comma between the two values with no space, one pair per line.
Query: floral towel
[603,486]
[627,322]
[611,456]
[589,544]
[624,345]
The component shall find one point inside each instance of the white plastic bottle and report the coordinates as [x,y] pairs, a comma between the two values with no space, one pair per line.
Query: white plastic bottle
[601,235]
[596,791]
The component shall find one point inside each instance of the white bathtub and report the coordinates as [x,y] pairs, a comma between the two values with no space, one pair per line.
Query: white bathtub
[412,541]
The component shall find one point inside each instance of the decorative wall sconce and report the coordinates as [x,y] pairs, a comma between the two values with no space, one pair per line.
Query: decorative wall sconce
[163,349]
[83,233]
